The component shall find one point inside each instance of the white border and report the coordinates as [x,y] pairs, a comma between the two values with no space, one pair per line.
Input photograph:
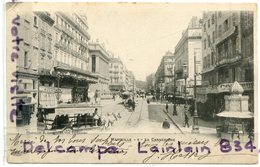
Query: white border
[2,74]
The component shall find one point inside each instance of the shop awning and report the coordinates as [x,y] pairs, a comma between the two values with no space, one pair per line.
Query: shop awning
[235,114]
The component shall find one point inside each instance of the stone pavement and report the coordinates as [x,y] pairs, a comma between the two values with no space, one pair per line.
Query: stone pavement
[205,127]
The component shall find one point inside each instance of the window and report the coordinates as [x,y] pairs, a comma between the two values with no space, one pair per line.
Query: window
[25,86]
[249,75]
[205,27]
[208,23]
[219,30]
[226,74]
[208,60]
[35,21]
[33,84]
[212,19]
[225,25]
[49,45]
[204,62]
[219,14]
[213,37]
[205,43]
[212,58]
[208,40]
[93,63]
[25,62]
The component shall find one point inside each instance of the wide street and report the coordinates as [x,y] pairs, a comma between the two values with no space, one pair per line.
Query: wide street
[140,120]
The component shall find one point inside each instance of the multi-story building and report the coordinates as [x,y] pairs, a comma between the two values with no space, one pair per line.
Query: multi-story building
[165,72]
[187,49]
[150,83]
[228,49]
[117,74]
[35,62]
[72,57]
[130,81]
[99,65]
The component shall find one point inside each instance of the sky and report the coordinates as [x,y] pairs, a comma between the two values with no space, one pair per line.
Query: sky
[140,34]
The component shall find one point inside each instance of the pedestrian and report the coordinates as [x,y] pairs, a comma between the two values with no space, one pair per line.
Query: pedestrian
[34,102]
[191,109]
[166,124]
[114,97]
[166,107]
[133,105]
[186,122]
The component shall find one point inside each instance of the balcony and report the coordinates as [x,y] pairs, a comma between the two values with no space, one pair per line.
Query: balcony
[28,70]
[226,34]
[225,87]
[65,30]
[65,48]
[229,60]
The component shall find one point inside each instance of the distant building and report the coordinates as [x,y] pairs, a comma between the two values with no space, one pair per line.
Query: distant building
[99,65]
[164,74]
[150,83]
[188,47]
[228,50]
[130,81]
[117,74]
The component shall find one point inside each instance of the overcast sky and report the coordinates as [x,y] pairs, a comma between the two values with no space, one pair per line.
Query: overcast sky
[140,34]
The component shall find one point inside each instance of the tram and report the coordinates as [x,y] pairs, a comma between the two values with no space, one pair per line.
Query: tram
[68,120]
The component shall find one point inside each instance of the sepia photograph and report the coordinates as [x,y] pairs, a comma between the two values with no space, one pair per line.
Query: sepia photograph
[130,82]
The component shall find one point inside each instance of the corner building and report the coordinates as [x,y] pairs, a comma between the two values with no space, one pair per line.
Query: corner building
[72,58]
[228,50]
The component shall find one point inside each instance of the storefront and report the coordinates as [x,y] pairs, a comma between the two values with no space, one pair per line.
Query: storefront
[72,85]
[25,108]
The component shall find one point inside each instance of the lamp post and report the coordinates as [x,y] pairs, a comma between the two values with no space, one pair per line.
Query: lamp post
[133,89]
[58,91]
[185,86]
[195,127]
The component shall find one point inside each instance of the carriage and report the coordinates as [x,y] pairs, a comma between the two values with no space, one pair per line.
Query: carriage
[69,120]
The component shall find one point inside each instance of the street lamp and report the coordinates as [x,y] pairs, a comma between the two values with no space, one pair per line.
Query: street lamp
[195,127]
[133,89]
[174,94]
[58,91]
[185,72]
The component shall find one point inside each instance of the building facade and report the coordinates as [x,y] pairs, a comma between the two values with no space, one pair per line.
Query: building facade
[117,74]
[130,81]
[99,65]
[227,57]
[164,75]
[71,54]
[34,64]
[187,49]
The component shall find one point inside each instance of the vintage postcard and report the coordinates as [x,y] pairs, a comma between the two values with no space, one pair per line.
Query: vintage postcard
[131,83]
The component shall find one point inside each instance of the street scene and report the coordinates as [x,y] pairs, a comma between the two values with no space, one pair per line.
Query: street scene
[90,72]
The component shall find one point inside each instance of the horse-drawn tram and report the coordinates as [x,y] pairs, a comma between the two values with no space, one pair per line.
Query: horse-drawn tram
[69,119]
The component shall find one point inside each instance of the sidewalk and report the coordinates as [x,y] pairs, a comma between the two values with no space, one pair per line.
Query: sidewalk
[205,127]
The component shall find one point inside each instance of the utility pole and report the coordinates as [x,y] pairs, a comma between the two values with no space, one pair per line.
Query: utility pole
[133,89]
[195,127]
[185,70]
